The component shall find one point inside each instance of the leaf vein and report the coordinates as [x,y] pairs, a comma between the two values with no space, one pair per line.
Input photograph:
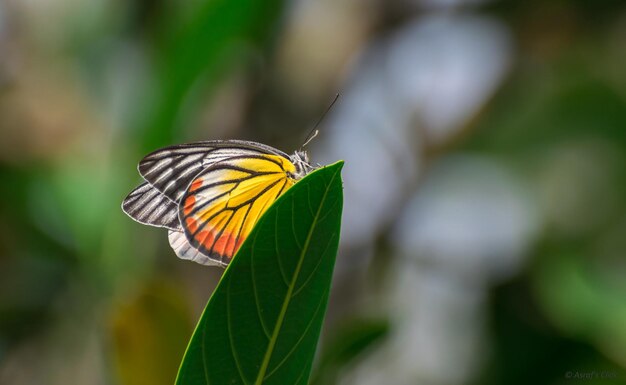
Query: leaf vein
[319,262]
[308,200]
[330,210]
[306,330]
[204,357]
[278,257]
[256,293]
[283,310]
[230,335]
[301,376]
[293,224]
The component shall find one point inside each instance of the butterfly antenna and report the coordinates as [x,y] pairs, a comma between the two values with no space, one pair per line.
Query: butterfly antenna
[313,133]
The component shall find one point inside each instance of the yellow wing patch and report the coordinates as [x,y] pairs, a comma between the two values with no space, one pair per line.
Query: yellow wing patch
[224,202]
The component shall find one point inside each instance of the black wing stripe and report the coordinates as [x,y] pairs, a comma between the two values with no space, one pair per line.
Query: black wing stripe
[229,181]
[282,189]
[204,223]
[151,207]
[147,205]
[164,157]
[199,245]
[262,210]
[163,175]
[223,228]
[255,156]
[206,202]
[226,166]
[260,194]
[235,181]
[191,149]
[172,169]
[243,223]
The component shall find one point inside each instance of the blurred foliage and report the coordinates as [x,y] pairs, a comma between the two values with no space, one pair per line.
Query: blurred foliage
[200,50]
[150,334]
[562,125]
[351,340]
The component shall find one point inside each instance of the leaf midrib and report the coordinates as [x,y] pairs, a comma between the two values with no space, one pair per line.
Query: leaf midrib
[292,284]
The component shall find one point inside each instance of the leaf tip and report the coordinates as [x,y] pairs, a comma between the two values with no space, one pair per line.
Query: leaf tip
[338,164]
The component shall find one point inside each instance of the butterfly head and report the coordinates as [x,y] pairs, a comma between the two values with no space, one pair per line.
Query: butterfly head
[300,159]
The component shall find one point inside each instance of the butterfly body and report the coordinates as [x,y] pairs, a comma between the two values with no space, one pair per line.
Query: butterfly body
[210,194]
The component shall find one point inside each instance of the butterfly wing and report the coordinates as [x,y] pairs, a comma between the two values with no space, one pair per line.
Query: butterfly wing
[149,206]
[171,169]
[224,202]
[182,247]
[209,194]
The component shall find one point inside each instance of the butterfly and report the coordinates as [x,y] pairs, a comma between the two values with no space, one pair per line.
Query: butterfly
[210,194]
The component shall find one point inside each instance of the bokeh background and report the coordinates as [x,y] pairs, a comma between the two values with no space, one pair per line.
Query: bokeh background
[484,230]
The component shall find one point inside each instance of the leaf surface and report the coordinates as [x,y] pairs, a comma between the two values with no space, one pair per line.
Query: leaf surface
[262,323]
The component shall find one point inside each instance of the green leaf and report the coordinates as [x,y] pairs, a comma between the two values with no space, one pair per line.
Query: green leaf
[262,323]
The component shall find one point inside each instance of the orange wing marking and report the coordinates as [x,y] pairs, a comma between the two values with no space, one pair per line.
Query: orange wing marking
[223,205]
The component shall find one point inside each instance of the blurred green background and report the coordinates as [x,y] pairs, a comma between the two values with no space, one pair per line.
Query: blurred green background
[485,182]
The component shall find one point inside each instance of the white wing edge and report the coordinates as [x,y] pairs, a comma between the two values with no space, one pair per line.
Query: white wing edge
[184,250]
